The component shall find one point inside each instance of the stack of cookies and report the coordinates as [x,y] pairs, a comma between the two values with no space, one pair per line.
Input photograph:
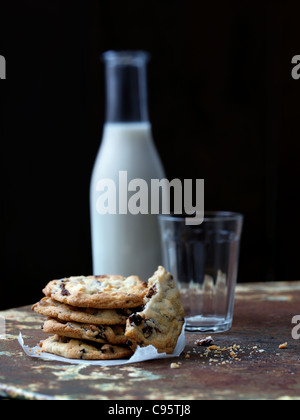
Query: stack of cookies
[108,317]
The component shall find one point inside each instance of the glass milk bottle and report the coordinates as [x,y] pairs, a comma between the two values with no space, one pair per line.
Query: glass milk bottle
[122,242]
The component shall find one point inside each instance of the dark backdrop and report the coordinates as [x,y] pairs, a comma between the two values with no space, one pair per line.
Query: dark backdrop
[223,104]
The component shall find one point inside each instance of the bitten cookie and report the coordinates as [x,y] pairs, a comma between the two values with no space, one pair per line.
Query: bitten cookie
[161,321]
[97,333]
[53,309]
[100,292]
[77,349]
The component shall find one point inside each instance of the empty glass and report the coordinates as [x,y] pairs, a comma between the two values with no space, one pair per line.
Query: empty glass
[204,261]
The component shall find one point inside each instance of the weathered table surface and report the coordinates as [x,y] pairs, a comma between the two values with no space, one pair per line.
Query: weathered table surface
[255,368]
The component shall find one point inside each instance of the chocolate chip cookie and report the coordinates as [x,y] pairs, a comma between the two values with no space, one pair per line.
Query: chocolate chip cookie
[161,321]
[100,292]
[97,333]
[78,349]
[53,309]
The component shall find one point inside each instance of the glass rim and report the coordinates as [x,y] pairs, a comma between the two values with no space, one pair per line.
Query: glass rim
[209,216]
[126,57]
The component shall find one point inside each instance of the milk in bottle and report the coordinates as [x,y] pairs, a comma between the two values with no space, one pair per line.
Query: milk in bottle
[125,243]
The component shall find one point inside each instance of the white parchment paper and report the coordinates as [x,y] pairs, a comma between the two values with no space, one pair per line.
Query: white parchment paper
[142,354]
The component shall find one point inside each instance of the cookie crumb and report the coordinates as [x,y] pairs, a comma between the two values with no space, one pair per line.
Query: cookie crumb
[283,346]
[214,348]
[174,366]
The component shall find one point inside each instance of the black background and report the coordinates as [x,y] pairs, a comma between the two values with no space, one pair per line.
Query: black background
[223,104]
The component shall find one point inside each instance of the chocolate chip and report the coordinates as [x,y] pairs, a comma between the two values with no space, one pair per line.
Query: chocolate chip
[204,341]
[64,291]
[152,291]
[82,353]
[135,319]
[147,331]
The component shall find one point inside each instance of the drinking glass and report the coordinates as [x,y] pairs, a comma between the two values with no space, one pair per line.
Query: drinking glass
[204,261]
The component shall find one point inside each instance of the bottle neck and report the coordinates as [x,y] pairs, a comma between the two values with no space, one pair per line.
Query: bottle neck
[126,87]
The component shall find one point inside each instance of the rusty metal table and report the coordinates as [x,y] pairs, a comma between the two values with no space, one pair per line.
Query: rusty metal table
[248,365]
